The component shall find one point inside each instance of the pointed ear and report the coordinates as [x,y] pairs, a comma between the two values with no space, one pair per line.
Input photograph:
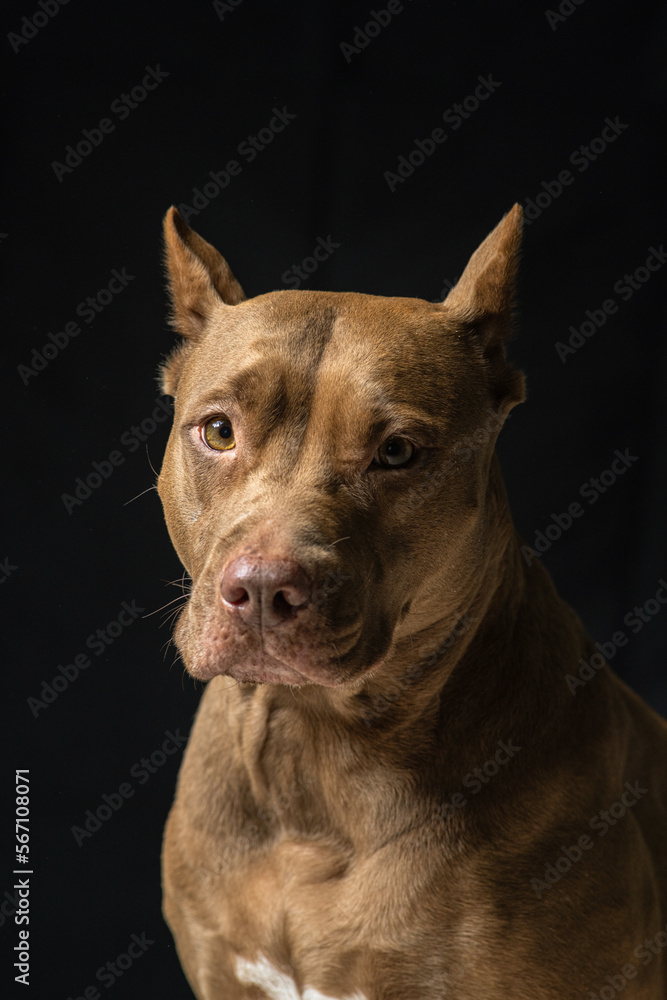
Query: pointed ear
[198,277]
[482,303]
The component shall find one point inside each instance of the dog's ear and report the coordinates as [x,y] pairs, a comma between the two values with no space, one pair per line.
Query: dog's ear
[482,303]
[199,277]
[200,280]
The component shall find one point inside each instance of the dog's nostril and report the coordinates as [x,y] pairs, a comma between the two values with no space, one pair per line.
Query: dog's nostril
[281,604]
[236,595]
[287,601]
[294,595]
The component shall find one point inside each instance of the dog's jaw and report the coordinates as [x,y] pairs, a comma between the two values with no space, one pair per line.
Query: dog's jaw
[213,641]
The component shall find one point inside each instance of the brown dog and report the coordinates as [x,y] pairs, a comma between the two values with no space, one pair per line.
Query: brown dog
[398,786]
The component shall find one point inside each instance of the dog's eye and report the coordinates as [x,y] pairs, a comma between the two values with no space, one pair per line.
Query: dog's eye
[219,434]
[394,451]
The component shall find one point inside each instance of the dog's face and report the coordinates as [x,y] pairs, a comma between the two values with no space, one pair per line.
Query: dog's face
[326,479]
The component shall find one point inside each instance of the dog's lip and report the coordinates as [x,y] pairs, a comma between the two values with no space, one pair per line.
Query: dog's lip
[269,669]
[270,660]
[284,676]
[273,670]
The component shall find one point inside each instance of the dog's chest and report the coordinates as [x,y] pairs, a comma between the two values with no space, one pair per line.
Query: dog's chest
[307,921]
[278,985]
[321,893]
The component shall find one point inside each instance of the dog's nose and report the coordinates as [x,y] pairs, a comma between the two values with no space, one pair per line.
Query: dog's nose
[264,592]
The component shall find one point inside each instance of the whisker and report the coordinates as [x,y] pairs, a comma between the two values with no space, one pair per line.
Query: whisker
[168,619]
[344,539]
[139,495]
[156,474]
[180,597]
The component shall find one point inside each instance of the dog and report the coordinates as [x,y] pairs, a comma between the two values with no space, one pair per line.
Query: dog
[393,789]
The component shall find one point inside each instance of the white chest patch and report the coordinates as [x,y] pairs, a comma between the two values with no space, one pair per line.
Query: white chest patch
[276,984]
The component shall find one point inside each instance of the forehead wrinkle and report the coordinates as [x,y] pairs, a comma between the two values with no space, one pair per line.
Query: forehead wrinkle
[376,394]
[276,387]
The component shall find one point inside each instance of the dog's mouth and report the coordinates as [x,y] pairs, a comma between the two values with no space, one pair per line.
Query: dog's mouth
[302,652]
[266,618]
[265,670]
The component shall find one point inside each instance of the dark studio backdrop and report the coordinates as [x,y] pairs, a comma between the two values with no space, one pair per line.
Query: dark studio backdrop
[392,139]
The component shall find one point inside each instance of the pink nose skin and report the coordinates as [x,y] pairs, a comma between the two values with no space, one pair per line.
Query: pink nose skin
[264,592]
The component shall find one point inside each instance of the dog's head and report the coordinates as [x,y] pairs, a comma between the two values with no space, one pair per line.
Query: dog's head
[327,479]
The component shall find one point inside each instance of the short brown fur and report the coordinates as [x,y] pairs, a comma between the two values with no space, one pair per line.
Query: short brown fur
[313,825]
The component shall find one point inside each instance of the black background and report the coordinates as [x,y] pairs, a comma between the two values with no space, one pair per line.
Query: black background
[322,176]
